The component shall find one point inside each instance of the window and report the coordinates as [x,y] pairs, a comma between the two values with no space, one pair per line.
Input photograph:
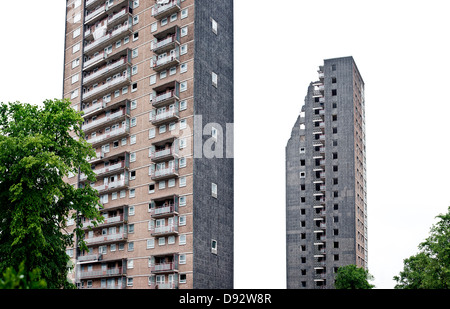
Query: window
[214,25]
[131,228]
[173,17]
[153,79]
[135,36]
[183,67]
[182,239]
[182,200]
[183,124]
[75,63]
[150,243]
[154,27]
[182,259]
[184,31]
[183,49]
[135,53]
[133,104]
[135,19]
[74,94]
[133,122]
[131,246]
[182,220]
[134,70]
[214,190]
[302,174]
[183,181]
[183,105]
[129,281]
[334,92]
[151,133]
[214,246]
[132,193]
[133,157]
[164,21]
[75,48]
[151,188]
[132,175]
[133,139]
[214,79]
[184,13]
[134,87]
[183,86]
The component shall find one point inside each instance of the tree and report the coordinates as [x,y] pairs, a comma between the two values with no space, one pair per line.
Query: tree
[36,152]
[353,277]
[21,280]
[430,268]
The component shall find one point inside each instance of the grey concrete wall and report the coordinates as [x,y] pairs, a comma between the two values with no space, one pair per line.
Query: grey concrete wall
[213,217]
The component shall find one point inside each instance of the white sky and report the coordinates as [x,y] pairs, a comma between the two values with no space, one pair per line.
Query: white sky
[400,48]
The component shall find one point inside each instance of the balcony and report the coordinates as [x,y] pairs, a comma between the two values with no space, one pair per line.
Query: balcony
[166,40]
[164,117]
[165,94]
[112,186]
[165,173]
[91,258]
[104,239]
[102,38]
[112,272]
[161,63]
[91,15]
[111,169]
[116,81]
[165,264]
[117,133]
[159,11]
[164,207]
[165,230]
[107,69]
[106,222]
[116,116]
[164,154]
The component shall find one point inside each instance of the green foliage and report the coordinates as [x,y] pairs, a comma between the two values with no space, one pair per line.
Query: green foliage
[430,268]
[36,152]
[353,277]
[21,280]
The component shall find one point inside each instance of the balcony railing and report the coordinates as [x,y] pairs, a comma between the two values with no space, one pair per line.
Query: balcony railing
[91,45]
[164,173]
[111,134]
[104,120]
[106,86]
[161,10]
[104,70]
[106,238]
[164,211]
[164,230]
[164,267]
[105,170]
[112,185]
[163,154]
[160,118]
[106,221]
[161,45]
[100,273]
[162,63]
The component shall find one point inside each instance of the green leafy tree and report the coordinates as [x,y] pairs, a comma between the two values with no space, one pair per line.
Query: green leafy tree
[353,277]
[430,268]
[21,280]
[36,152]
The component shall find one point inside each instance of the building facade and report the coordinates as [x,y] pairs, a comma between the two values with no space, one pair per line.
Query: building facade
[326,207]
[155,82]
